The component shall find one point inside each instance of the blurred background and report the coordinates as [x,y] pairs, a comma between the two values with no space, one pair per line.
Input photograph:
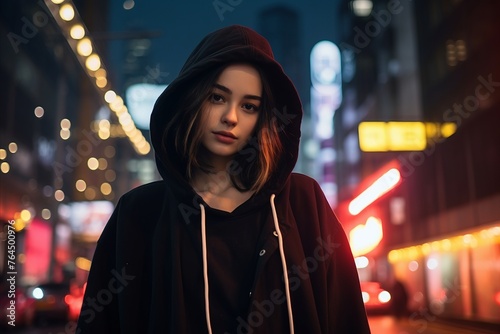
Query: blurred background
[402,108]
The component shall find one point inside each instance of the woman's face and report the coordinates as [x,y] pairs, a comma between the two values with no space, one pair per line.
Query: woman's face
[231,112]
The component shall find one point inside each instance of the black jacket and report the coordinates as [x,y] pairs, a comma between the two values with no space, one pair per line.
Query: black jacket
[135,284]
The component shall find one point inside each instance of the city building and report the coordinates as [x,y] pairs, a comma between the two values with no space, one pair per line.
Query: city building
[418,151]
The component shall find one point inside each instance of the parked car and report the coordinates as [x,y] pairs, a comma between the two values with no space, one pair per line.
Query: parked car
[376,299]
[50,301]
[16,307]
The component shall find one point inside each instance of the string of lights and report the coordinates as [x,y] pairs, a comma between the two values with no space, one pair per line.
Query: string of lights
[79,39]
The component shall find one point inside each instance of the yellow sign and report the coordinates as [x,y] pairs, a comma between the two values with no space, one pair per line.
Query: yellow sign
[400,136]
[373,137]
[406,136]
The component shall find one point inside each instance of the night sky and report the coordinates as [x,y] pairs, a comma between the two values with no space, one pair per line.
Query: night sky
[179,25]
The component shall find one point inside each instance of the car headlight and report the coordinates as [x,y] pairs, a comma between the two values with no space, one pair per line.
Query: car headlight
[366,296]
[384,297]
[37,293]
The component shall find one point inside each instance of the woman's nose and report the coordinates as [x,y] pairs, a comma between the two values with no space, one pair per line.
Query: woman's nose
[230,115]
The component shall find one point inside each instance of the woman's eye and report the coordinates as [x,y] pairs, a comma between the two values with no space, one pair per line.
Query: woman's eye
[250,107]
[216,98]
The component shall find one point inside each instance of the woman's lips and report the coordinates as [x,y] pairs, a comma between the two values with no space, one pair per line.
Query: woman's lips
[225,137]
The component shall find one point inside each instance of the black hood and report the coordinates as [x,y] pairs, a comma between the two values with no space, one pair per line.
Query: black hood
[228,45]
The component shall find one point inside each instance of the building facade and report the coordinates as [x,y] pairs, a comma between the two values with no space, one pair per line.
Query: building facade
[431,63]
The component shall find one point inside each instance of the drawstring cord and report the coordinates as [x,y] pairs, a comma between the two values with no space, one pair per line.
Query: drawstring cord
[205,267]
[283,264]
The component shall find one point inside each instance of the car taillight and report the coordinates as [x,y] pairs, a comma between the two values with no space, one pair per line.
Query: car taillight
[68,299]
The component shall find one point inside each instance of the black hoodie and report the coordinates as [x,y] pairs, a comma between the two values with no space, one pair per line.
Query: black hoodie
[147,271]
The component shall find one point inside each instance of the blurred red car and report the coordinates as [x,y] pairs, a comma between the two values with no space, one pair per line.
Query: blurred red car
[375,298]
[21,312]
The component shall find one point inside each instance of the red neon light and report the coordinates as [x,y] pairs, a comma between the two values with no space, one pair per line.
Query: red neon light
[378,188]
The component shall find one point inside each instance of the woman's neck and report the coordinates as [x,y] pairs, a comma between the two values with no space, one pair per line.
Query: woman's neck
[216,182]
[218,190]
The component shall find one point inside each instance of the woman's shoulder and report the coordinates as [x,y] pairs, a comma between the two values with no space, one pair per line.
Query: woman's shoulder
[302,181]
[146,193]
[305,188]
[143,203]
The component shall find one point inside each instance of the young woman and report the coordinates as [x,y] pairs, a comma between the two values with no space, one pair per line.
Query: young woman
[231,240]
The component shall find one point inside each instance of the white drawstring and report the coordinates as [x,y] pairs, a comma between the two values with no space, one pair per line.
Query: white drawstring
[205,267]
[283,264]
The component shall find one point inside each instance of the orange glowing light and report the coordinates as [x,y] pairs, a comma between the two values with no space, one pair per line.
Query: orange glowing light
[378,188]
[364,238]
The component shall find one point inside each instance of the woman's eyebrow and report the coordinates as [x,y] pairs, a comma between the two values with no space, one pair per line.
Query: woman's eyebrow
[229,91]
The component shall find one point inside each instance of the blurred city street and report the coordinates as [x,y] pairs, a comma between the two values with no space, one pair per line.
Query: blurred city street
[389,325]
[401,105]
[380,324]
